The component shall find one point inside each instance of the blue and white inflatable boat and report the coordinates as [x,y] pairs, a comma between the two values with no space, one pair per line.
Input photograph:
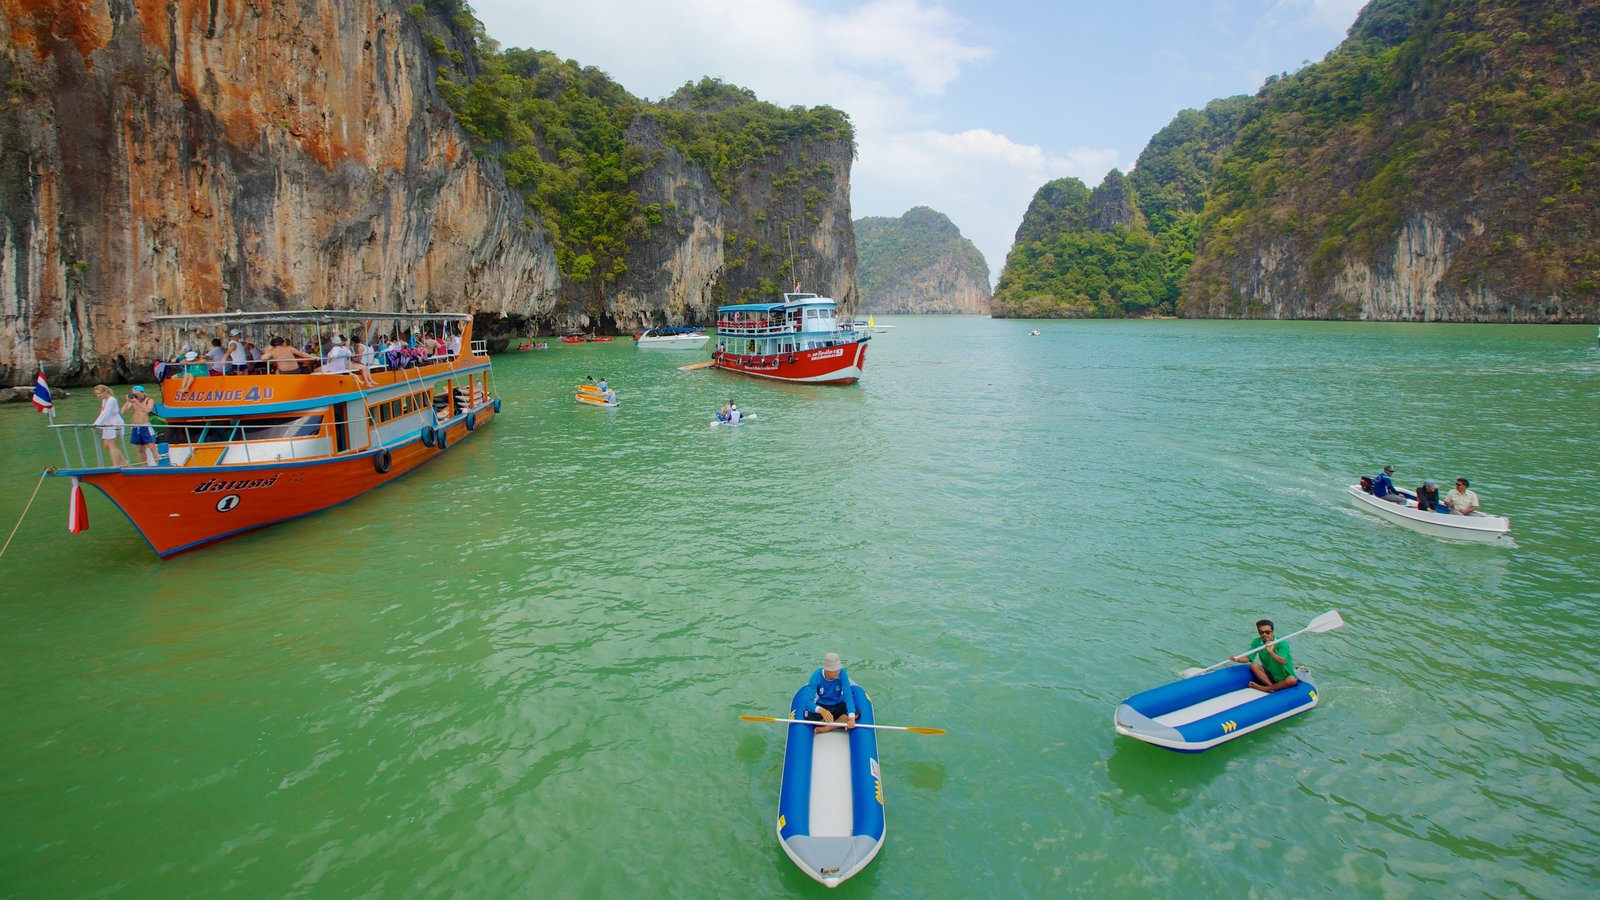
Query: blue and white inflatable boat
[1195,714]
[830,808]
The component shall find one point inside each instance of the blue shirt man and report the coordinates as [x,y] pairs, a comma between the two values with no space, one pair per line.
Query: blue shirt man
[829,696]
[1383,487]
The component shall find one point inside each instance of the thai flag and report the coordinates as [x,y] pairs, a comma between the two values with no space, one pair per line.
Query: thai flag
[41,394]
[77,510]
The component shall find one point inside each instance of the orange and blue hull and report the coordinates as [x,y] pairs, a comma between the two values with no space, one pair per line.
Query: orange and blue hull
[180,508]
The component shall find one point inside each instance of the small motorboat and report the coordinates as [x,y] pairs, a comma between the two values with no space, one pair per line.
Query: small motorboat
[592,395]
[672,339]
[1192,715]
[1477,527]
[1033,332]
[830,807]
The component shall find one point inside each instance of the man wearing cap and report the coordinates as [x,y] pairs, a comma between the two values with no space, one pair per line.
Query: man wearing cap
[1383,486]
[192,366]
[136,409]
[1428,496]
[828,696]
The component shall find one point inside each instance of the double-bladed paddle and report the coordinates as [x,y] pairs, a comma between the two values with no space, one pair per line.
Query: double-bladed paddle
[1328,621]
[842,725]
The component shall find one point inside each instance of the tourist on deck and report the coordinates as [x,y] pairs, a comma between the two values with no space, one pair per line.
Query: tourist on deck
[1273,668]
[192,367]
[237,358]
[1383,486]
[340,361]
[137,408]
[1462,501]
[454,345]
[216,357]
[109,423]
[284,359]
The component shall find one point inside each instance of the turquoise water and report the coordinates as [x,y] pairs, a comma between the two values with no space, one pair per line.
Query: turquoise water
[517,672]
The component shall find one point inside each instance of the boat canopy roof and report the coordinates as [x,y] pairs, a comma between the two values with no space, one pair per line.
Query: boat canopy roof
[794,299]
[302,317]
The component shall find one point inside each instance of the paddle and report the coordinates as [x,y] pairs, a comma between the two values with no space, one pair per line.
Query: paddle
[841,724]
[1326,622]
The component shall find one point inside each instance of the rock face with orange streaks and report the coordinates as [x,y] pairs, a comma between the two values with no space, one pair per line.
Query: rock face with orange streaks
[185,156]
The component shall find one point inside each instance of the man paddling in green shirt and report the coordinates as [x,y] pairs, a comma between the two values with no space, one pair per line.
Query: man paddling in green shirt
[1273,668]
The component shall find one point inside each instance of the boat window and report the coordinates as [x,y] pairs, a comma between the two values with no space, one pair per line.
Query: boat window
[211,431]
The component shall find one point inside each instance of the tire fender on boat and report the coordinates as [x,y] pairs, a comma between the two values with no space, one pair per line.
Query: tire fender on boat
[472,421]
[441,438]
[497,405]
[428,435]
[382,462]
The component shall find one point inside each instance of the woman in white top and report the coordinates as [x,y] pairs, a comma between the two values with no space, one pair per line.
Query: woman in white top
[110,424]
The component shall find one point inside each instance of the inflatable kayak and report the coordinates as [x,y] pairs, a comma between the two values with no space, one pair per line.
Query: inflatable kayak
[1195,714]
[830,808]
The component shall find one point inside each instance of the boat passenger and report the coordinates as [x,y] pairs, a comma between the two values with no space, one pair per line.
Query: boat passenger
[1383,486]
[454,344]
[216,356]
[192,368]
[109,423]
[1273,668]
[236,359]
[602,384]
[340,361]
[829,698]
[284,359]
[138,408]
[734,416]
[1463,501]
[722,414]
[1428,496]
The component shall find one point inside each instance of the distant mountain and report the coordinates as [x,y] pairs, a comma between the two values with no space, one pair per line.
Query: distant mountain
[1440,165]
[919,263]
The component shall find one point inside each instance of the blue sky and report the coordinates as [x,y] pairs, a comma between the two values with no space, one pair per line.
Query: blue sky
[967,106]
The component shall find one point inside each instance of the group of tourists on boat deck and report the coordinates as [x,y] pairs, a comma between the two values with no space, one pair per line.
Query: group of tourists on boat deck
[241,356]
[110,422]
[1462,501]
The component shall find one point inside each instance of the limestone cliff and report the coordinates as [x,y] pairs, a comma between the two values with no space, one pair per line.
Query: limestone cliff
[194,155]
[919,263]
[1440,166]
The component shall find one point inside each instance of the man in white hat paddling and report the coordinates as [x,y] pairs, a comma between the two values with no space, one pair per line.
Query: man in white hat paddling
[828,697]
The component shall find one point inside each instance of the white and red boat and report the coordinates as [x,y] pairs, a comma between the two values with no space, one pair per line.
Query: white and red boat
[800,339]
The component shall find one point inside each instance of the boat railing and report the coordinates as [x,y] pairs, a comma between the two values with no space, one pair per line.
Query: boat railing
[73,455]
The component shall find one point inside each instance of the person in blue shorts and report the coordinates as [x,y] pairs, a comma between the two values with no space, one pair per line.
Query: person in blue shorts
[829,698]
[137,409]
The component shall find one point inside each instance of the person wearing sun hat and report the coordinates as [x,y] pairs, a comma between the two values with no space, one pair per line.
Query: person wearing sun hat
[828,696]
[192,366]
[137,409]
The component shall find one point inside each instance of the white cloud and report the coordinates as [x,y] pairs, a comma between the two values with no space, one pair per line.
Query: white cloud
[982,180]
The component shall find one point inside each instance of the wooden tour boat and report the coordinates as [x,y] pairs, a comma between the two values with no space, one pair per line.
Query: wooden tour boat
[799,339]
[247,444]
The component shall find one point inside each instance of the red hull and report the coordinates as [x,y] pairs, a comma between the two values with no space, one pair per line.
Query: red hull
[832,365]
[181,508]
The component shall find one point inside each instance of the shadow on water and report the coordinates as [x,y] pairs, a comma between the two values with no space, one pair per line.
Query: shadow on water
[1165,779]
[927,776]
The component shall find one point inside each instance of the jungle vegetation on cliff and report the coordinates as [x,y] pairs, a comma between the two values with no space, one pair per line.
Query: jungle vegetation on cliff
[561,132]
[1446,151]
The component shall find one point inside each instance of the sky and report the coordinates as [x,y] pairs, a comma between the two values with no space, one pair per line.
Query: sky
[965,106]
